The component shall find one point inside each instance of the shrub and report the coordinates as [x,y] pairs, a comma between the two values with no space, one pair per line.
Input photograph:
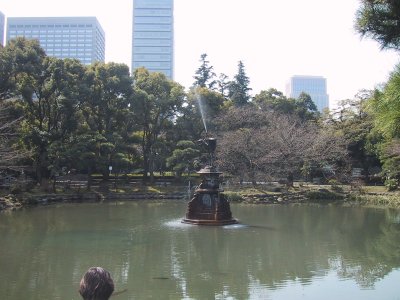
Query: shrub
[391,184]
[233,196]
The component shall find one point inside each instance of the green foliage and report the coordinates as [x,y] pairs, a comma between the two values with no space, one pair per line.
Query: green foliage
[157,101]
[184,157]
[391,184]
[305,108]
[239,88]
[352,121]
[385,106]
[200,103]
[204,74]
[233,196]
[379,19]
[323,194]
[274,100]
[390,157]
[20,60]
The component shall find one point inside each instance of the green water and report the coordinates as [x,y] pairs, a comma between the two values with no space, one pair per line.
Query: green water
[277,252]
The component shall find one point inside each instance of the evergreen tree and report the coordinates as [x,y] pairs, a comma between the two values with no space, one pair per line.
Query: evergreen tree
[223,84]
[205,75]
[379,19]
[239,87]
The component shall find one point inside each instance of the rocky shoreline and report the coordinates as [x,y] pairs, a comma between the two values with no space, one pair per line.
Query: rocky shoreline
[321,196]
[12,202]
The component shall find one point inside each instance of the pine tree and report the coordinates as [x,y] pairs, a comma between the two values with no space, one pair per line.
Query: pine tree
[205,75]
[239,87]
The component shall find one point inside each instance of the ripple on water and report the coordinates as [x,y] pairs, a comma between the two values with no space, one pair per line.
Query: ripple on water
[177,223]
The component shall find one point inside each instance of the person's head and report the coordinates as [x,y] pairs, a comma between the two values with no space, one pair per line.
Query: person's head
[96,284]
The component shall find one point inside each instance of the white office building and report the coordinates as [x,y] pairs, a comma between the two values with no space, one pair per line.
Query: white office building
[153,36]
[315,86]
[2,27]
[63,37]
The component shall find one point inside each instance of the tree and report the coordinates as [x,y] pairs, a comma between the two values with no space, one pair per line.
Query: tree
[352,121]
[240,153]
[106,113]
[305,107]
[274,100]
[9,124]
[379,19]
[390,157]
[156,101]
[223,84]
[205,75]
[48,91]
[19,60]
[239,87]
[384,105]
[184,157]
[297,142]
[267,144]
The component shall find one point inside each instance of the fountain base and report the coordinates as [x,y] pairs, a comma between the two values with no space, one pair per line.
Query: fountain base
[210,222]
[209,205]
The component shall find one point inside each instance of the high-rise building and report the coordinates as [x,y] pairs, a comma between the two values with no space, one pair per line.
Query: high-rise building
[63,37]
[2,26]
[153,36]
[315,86]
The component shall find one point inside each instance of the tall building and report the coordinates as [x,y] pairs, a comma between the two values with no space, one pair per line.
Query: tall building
[315,86]
[82,38]
[2,26]
[153,36]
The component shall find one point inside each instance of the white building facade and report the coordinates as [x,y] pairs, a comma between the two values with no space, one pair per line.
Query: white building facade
[63,37]
[315,86]
[2,27]
[153,36]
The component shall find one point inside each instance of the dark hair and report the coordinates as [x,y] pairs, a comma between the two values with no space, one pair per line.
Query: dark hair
[96,284]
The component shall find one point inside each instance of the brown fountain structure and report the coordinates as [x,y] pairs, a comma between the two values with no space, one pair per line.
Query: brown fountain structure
[208,205]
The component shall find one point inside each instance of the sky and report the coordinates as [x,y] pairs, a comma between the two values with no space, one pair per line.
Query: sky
[275,39]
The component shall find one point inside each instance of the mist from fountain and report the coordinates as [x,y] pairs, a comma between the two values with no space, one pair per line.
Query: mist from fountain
[202,110]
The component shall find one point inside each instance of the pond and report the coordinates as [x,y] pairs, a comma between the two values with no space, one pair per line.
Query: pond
[276,252]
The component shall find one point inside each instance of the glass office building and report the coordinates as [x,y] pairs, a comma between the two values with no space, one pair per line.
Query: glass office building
[63,37]
[153,36]
[2,27]
[315,86]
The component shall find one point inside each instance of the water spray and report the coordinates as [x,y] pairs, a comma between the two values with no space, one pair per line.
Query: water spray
[202,112]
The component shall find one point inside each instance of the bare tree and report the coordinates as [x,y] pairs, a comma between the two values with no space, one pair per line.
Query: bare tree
[9,154]
[265,144]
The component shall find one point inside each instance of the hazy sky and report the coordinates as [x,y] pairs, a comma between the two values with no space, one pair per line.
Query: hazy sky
[275,39]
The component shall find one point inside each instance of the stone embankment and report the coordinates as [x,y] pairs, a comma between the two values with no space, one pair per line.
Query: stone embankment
[9,202]
[319,196]
[12,202]
[275,199]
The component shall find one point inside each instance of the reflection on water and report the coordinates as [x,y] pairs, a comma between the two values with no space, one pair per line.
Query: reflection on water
[276,252]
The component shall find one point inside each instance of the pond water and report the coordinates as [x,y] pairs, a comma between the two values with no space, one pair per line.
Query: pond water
[276,252]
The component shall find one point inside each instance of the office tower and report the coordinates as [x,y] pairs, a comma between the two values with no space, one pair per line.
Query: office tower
[62,37]
[153,36]
[2,24]
[315,86]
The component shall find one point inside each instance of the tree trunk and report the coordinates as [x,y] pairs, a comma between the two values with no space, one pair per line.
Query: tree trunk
[89,179]
[145,168]
[39,166]
[289,179]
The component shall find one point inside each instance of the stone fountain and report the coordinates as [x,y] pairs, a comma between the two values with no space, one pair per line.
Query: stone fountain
[208,205]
